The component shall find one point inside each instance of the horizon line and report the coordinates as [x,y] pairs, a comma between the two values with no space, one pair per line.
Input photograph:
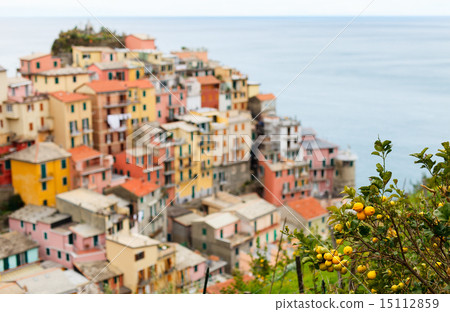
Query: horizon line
[217,16]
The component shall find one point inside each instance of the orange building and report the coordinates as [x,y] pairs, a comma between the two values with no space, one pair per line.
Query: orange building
[210,87]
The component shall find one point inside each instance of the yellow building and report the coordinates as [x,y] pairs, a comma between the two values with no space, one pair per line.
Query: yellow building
[141,94]
[62,79]
[193,167]
[72,113]
[147,265]
[40,172]
[4,131]
[253,88]
[27,119]
[85,56]
[237,82]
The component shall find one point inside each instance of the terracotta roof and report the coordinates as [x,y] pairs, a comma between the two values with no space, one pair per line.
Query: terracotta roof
[207,80]
[142,83]
[139,187]
[67,97]
[215,289]
[309,208]
[265,97]
[83,152]
[107,85]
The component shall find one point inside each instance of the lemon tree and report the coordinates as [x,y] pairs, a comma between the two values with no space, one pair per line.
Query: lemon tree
[395,242]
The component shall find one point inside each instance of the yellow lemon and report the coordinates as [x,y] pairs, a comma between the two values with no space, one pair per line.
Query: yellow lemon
[440,205]
[336,260]
[338,227]
[379,216]
[384,198]
[358,207]
[371,275]
[361,269]
[330,269]
[348,250]
[337,267]
[373,291]
[394,288]
[322,267]
[344,263]
[369,211]
[438,264]
[319,256]
[344,270]
[339,241]
[401,285]
[361,215]
[405,249]
[328,263]
[328,256]
[392,203]
[389,272]
[375,240]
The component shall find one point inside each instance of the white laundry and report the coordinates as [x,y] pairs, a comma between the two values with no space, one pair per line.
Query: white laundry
[114,120]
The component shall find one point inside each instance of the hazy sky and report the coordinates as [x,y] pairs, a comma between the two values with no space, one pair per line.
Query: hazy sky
[222,7]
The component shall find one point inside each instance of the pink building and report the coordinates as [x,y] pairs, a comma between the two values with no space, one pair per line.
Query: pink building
[60,240]
[38,62]
[111,70]
[320,155]
[190,266]
[91,169]
[170,103]
[19,87]
[140,42]
[283,180]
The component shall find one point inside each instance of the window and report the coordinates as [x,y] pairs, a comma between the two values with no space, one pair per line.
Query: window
[271,219]
[195,268]
[45,235]
[103,176]
[38,65]
[158,99]
[330,151]
[21,224]
[74,78]
[44,202]
[143,93]
[70,238]
[278,174]
[31,126]
[204,246]
[34,227]
[41,107]
[56,80]
[144,107]
[63,164]
[59,254]
[235,228]
[139,256]
[72,108]
[84,105]
[95,240]
[67,257]
[7,164]
[332,161]
[204,231]
[55,64]
[64,181]
[309,224]
[110,76]
[236,251]
[47,251]
[236,265]
[159,113]
[134,108]
[44,186]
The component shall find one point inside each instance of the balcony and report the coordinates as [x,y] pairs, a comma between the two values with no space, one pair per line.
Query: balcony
[12,114]
[74,132]
[117,104]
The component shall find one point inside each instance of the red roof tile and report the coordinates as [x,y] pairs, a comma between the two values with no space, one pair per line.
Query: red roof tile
[107,85]
[207,80]
[265,97]
[142,83]
[67,97]
[139,187]
[309,208]
[215,289]
[83,152]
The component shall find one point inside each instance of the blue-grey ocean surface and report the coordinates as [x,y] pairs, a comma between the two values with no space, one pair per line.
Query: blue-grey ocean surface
[383,76]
